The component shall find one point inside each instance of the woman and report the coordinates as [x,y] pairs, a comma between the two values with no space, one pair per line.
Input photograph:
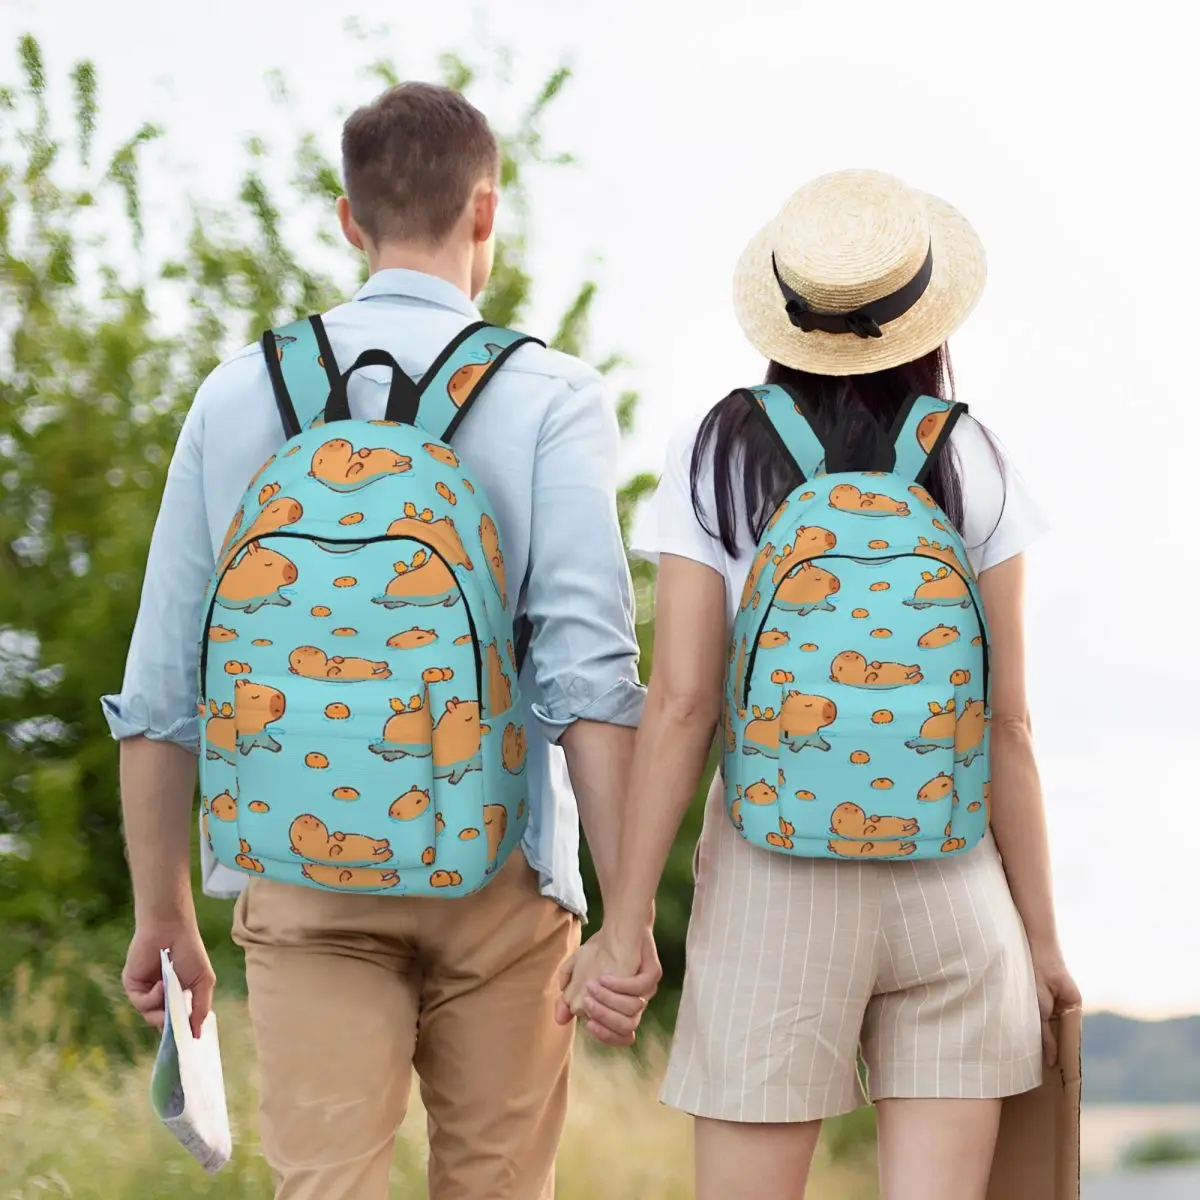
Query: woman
[934,969]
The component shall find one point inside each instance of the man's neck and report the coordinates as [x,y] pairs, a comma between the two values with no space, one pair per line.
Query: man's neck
[453,264]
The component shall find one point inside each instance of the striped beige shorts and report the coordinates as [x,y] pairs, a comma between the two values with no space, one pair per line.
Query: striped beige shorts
[796,967]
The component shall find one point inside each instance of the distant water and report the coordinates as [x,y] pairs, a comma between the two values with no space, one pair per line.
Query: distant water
[1108,1130]
[1162,1183]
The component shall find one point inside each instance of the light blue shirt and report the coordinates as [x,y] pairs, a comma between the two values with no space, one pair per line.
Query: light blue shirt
[542,439]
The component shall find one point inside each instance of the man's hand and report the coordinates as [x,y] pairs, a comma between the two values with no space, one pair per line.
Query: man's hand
[142,977]
[609,988]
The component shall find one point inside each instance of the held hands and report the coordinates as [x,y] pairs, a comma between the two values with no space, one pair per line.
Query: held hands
[142,977]
[609,986]
[1056,992]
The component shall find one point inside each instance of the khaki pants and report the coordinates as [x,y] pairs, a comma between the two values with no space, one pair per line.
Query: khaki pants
[349,993]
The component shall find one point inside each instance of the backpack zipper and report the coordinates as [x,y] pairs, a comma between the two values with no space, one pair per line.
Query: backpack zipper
[816,558]
[307,537]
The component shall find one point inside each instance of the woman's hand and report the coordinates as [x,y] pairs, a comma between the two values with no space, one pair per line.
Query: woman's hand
[609,985]
[1056,992]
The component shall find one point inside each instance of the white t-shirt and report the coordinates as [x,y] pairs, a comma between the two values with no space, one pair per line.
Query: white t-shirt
[1000,517]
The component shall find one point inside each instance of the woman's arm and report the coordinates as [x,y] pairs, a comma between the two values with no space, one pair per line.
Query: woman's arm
[1017,811]
[1018,814]
[683,704]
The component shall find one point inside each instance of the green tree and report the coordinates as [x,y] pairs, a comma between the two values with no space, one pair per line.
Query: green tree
[93,387]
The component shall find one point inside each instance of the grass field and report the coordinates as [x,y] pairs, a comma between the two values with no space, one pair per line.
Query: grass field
[76,1123]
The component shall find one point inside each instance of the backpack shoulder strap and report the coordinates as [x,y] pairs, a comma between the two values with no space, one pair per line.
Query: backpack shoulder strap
[303,372]
[921,429]
[791,423]
[461,372]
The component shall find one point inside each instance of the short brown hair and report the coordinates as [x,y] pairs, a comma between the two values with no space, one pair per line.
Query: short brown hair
[410,159]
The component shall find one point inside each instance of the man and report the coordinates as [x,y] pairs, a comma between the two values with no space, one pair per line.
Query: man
[349,992]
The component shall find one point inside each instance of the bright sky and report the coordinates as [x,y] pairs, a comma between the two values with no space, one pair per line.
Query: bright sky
[1063,134]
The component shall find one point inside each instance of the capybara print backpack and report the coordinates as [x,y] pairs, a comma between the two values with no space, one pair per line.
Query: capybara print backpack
[361,717]
[856,708]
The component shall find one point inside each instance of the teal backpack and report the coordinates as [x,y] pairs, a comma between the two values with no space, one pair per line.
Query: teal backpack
[856,712]
[360,712]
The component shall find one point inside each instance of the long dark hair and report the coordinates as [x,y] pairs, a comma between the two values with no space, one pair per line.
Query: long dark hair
[861,407]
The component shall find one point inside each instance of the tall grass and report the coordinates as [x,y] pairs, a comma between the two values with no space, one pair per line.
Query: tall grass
[75,1122]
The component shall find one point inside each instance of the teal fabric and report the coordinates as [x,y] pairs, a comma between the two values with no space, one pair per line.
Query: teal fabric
[796,433]
[361,719]
[856,709]
[923,430]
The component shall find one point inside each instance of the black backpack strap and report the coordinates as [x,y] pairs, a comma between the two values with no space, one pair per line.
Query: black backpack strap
[303,372]
[792,425]
[921,429]
[524,633]
[461,372]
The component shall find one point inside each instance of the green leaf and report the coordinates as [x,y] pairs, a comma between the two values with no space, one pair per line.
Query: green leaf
[84,79]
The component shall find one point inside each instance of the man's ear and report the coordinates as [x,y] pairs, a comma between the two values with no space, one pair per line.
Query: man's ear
[487,200]
[350,230]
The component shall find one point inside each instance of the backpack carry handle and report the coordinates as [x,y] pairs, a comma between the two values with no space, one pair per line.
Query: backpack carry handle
[403,400]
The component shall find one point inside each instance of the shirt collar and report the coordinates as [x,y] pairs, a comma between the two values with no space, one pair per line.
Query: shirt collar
[416,285]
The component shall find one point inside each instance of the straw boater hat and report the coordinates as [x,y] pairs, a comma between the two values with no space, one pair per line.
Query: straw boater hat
[858,272]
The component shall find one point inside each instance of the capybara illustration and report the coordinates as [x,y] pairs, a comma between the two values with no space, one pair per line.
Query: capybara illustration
[339,466]
[739,678]
[495,824]
[223,807]
[408,732]
[411,805]
[769,639]
[802,718]
[765,553]
[444,879]
[412,639]
[807,542]
[942,587]
[761,735]
[441,534]
[309,662]
[489,537]
[853,670]
[969,732]
[884,849]
[311,839]
[499,686]
[851,821]
[807,590]
[943,554]
[761,793]
[368,879]
[513,745]
[278,514]
[442,454]
[425,581]
[929,428]
[938,636]
[464,381]
[938,788]
[256,579]
[848,498]
[456,740]
[937,730]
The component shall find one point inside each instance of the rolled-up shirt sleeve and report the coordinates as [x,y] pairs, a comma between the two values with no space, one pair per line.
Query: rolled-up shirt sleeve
[579,595]
[158,696]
